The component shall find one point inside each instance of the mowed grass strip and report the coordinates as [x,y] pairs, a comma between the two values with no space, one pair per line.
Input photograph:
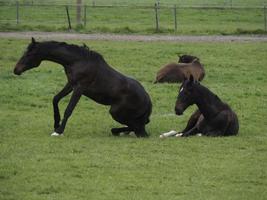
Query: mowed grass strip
[89,163]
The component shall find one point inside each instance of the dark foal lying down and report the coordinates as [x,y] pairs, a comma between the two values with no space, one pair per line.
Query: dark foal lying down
[213,117]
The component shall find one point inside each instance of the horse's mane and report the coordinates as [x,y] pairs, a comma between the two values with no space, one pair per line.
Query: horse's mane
[83,51]
[208,92]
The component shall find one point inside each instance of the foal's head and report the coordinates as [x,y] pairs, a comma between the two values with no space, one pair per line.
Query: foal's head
[186,96]
[30,59]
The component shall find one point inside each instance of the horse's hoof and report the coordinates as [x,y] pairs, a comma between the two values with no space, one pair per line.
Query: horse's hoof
[132,134]
[56,134]
[168,134]
[179,135]
[199,134]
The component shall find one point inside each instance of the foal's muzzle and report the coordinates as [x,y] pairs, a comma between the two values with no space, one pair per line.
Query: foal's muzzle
[179,111]
[18,69]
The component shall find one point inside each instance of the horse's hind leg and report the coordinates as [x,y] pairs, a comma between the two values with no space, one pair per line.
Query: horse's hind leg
[117,131]
[140,132]
[64,92]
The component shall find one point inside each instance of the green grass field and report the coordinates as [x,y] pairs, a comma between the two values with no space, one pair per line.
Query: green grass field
[89,163]
[136,20]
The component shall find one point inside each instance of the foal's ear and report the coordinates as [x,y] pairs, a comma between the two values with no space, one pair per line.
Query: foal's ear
[33,40]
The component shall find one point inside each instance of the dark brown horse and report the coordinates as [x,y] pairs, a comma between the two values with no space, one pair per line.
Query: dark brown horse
[178,72]
[213,117]
[88,74]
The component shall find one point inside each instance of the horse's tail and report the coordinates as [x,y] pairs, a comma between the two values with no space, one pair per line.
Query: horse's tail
[235,123]
[149,111]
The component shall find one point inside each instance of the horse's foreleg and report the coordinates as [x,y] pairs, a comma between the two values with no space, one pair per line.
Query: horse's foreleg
[192,121]
[64,92]
[76,95]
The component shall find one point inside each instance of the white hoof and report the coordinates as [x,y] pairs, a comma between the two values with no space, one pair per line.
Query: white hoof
[56,134]
[179,135]
[132,134]
[168,134]
[199,134]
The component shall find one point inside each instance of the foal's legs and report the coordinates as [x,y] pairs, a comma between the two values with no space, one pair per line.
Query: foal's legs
[200,124]
[64,92]
[76,95]
[192,121]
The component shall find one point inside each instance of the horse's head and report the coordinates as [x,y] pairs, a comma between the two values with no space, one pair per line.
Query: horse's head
[30,59]
[187,58]
[186,96]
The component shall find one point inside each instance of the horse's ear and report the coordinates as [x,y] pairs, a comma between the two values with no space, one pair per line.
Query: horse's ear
[85,46]
[33,40]
[179,54]
[196,60]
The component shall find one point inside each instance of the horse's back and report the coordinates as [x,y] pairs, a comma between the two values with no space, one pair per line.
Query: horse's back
[177,72]
[170,73]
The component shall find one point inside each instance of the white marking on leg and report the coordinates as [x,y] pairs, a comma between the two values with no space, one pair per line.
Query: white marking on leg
[122,134]
[181,89]
[56,134]
[132,134]
[168,134]
[199,134]
[179,135]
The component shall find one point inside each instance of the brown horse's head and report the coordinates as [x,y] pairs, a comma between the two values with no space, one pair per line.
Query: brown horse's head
[187,58]
[186,96]
[30,59]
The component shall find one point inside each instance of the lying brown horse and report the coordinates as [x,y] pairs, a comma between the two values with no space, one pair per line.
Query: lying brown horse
[177,72]
[90,75]
[213,117]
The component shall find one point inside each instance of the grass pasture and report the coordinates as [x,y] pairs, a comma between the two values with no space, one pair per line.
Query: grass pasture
[88,163]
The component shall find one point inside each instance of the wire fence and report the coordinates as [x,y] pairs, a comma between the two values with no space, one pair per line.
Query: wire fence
[184,19]
[218,3]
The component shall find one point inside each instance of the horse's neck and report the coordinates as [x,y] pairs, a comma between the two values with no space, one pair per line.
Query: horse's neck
[207,103]
[60,55]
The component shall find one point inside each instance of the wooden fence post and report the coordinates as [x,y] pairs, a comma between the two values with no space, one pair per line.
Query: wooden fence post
[175,18]
[78,12]
[68,16]
[157,19]
[85,17]
[17,12]
[265,24]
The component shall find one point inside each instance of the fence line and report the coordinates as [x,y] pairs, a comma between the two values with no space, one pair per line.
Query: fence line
[71,11]
[140,5]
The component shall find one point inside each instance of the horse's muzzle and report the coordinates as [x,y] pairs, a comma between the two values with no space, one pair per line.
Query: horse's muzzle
[18,69]
[178,111]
